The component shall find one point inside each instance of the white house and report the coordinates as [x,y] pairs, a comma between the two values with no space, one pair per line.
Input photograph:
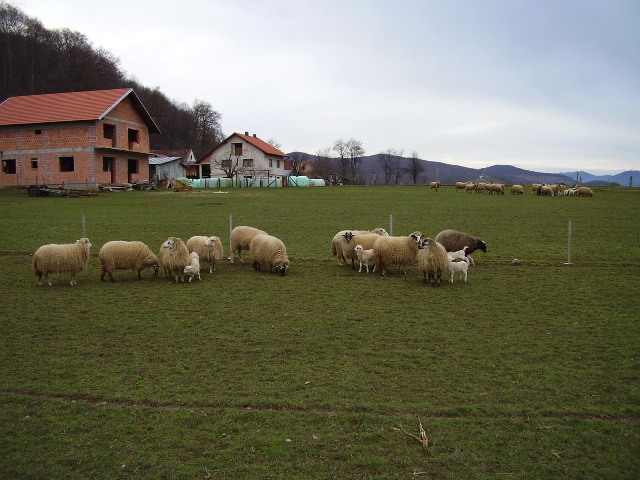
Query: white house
[243,156]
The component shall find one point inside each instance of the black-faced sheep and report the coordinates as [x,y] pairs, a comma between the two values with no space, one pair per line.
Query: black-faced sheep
[401,251]
[337,242]
[193,269]
[432,260]
[349,240]
[364,257]
[209,249]
[61,258]
[241,240]
[123,255]
[173,257]
[460,266]
[269,251]
[453,240]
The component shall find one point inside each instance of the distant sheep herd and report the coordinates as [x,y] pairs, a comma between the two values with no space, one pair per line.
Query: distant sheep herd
[449,251]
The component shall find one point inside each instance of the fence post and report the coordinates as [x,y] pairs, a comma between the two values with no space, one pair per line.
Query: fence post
[569,245]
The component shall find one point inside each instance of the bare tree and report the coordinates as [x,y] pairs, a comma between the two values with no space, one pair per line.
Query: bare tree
[356,151]
[274,143]
[416,167]
[342,150]
[230,162]
[389,161]
[206,126]
[324,166]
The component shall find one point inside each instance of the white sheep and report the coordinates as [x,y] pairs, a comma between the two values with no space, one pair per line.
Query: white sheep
[241,240]
[461,255]
[123,255]
[193,269]
[349,240]
[61,258]
[209,249]
[432,260]
[460,266]
[269,251]
[401,251]
[364,256]
[173,257]
[337,242]
[517,189]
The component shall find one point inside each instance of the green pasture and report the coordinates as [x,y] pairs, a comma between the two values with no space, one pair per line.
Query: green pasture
[524,372]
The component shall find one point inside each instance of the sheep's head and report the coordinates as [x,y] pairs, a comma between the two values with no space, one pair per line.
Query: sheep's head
[154,269]
[416,237]
[281,268]
[169,243]
[348,236]
[187,269]
[481,246]
[359,248]
[210,241]
[84,241]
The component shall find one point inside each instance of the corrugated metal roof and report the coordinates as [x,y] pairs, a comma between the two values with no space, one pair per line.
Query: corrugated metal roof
[68,107]
[162,160]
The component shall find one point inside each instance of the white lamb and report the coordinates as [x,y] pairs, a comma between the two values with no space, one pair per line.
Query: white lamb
[460,266]
[461,255]
[364,256]
[193,269]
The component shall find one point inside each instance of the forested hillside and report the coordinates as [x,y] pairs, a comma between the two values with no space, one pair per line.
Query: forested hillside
[35,60]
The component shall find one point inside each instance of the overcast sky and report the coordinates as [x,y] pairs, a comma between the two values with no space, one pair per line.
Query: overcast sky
[547,85]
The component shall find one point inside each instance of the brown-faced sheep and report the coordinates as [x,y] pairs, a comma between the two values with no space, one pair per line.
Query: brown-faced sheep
[209,249]
[173,257]
[269,251]
[401,251]
[61,258]
[241,240]
[453,240]
[123,255]
[432,260]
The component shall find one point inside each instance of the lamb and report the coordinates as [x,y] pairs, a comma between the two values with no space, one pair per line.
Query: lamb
[453,240]
[461,255]
[364,256]
[193,269]
[241,239]
[61,258]
[460,266]
[349,240]
[395,250]
[432,260]
[123,255]
[174,256]
[209,249]
[517,189]
[267,250]
[338,240]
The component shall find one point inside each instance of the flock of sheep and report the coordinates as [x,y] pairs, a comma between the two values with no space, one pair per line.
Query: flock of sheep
[536,188]
[179,260]
[449,251]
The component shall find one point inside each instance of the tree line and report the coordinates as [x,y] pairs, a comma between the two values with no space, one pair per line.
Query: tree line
[35,60]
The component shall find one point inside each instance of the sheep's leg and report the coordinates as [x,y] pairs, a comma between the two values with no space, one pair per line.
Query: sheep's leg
[39,278]
[452,275]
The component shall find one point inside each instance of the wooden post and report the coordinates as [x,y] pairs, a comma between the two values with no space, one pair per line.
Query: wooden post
[569,245]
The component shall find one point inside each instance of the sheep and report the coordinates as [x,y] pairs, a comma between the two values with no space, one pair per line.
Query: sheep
[174,256]
[517,189]
[193,269]
[241,239]
[364,256]
[123,255]
[395,250]
[470,187]
[461,255]
[432,260]
[209,249]
[546,191]
[453,240]
[435,186]
[584,192]
[535,188]
[337,242]
[461,185]
[349,240]
[460,266]
[267,250]
[496,188]
[61,258]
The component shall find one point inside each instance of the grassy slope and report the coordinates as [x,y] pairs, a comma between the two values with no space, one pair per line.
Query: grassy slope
[528,372]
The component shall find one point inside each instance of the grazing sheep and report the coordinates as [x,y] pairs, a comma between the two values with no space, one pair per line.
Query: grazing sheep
[572,192]
[193,269]
[433,261]
[435,186]
[535,188]
[517,189]
[453,240]
[61,258]
[173,257]
[585,192]
[496,188]
[241,239]
[401,251]
[546,191]
[461,185]
[460,266]
[123,255]
[364,256]
[267,250]
[338,241]
[209,249]
[461,255]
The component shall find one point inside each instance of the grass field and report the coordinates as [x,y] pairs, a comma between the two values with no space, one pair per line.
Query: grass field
[523,372]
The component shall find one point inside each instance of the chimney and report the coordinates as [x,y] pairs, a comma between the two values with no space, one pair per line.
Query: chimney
[254,136]
[246,133]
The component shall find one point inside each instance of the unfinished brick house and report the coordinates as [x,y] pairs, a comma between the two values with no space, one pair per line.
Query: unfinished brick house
[77,138]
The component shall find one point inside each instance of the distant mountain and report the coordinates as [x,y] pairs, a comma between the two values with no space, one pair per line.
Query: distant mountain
[372,172]
[621,178]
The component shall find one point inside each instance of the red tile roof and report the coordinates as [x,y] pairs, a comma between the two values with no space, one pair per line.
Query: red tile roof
[255,141]
[69,107]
